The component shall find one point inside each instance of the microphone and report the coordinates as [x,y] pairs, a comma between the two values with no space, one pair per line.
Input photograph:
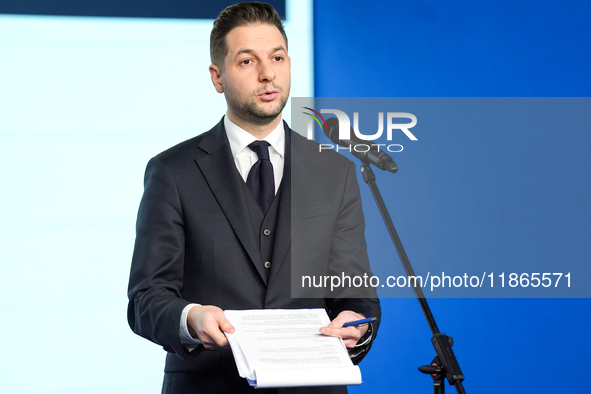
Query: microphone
[379,159]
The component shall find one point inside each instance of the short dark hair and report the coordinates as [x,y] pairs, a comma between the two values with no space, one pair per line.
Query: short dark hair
[241,14]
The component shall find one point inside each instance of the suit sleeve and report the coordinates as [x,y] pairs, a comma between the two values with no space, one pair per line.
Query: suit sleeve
[349,255]
[156,278]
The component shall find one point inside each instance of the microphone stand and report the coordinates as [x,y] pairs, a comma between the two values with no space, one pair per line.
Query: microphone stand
[445,363]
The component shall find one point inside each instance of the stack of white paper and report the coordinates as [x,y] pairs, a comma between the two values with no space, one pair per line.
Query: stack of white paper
[283,348]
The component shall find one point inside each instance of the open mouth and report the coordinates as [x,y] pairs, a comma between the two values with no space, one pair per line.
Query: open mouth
[268,95]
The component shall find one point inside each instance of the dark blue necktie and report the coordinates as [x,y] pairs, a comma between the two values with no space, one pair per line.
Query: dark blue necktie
[260,179]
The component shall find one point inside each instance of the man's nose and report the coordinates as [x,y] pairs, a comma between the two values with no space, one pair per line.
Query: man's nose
[267,73]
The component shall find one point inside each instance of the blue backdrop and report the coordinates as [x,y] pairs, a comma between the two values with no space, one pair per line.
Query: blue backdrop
[474,49]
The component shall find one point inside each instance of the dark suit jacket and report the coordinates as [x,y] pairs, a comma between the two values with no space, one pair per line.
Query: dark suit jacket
[195,241]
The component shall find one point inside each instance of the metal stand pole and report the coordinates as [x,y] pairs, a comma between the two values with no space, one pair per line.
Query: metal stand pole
[446,360]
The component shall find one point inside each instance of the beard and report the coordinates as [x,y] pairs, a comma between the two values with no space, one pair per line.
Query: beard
[249,110]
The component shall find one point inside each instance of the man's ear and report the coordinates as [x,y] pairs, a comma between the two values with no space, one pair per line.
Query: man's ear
[216,78]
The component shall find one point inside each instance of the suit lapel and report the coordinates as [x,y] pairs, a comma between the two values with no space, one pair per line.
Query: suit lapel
[220,172]
[298,178]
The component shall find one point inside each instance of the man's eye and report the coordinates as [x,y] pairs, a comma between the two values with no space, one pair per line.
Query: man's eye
[246,61]
[278,58]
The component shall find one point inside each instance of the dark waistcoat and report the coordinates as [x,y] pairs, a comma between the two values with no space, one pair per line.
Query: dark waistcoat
[264,227]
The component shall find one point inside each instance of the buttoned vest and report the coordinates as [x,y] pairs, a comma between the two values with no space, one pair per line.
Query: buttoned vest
[264,227]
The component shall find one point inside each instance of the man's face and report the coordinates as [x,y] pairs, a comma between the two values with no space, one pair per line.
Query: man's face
[257,75]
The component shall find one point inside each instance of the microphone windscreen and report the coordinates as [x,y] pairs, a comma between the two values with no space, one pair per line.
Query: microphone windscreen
[333,130]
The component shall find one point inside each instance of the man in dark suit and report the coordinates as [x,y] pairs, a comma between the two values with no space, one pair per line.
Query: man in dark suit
[232,218]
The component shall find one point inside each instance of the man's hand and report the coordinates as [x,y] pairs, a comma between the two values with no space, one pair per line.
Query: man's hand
[350,335]
[206,322]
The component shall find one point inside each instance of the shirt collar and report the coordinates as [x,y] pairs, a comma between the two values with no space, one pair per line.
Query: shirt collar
[240,138]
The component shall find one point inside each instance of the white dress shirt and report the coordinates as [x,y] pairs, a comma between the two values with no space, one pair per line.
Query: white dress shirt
[244,158]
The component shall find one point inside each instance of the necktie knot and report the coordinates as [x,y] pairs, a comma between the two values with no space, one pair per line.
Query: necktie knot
[261,148]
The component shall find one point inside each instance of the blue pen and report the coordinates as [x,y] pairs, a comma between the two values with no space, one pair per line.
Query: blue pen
[359,322]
